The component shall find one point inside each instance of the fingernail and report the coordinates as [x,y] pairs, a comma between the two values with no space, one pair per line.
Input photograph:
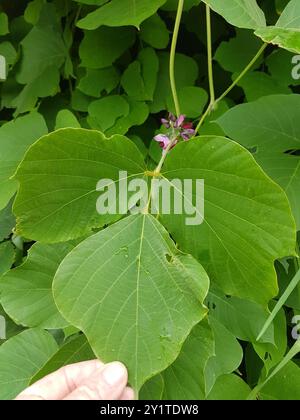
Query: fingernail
[113,373]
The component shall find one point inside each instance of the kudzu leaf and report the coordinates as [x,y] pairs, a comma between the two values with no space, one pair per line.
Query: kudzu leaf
[96,81]
[74,351]
[139,79]
[10,328]
[284,386]
[26,291]
[258,84]
[154,31]
[120,13]
[192,101]
[58,177]
[283,37]
[8,51]
[233,56]
[279,65]
[285,278]
[243,318]
[15,138]
[101,48]
[43,48]
[247,219]
[281,5]
[222,362]
[21,358]
[153,389]
[7,222]
[7,256]
[66,119]
[272,354]
[241,13]
[185,378]
[46,84]
[33,11]
[286,33]
[142,300]
[138,114]
[229,388]
[269,126]
[186,73]
[290,16]
[80,101]
[4,29]
[104,112]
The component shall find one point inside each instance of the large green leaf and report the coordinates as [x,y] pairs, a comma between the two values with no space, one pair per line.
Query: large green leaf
[21,358]
[133,294]
[15,138]
[222,362]
[153,389]
[271,127]
[10,328]
[247,221]
[44,51]
[272,353]
[101,48]
[26,291]
[74,351]
[232,55]
[229,388]
[7,221]
[241,317]
[257,84]
[240,13]
[7,256]
[139,80]
[58,179]
[121,13]
[283,37]
[286,33]
[96,81]
[185,379]
[284,386]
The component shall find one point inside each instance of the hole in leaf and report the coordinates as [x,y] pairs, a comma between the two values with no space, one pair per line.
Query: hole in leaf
[293,152]
[169,258]
[253,149]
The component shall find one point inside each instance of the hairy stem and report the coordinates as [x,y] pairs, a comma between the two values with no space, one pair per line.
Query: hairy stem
[173,54]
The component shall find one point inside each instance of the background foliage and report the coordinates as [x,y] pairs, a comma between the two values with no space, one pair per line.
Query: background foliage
[182,307]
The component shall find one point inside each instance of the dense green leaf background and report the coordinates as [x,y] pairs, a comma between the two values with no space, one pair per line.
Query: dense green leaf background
[87,83]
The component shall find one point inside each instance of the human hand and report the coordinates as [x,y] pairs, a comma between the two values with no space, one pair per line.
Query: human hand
[92,380]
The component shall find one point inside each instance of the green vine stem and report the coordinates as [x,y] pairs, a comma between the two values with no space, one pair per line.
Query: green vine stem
[173,55]
[209,57]
[235,82]
[244,72]
[289,290]
[291,354]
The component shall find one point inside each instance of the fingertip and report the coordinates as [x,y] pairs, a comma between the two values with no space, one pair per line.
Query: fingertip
[128,395]
[115,373]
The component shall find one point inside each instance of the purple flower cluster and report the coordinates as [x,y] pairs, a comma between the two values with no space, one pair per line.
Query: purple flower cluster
[178,129]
